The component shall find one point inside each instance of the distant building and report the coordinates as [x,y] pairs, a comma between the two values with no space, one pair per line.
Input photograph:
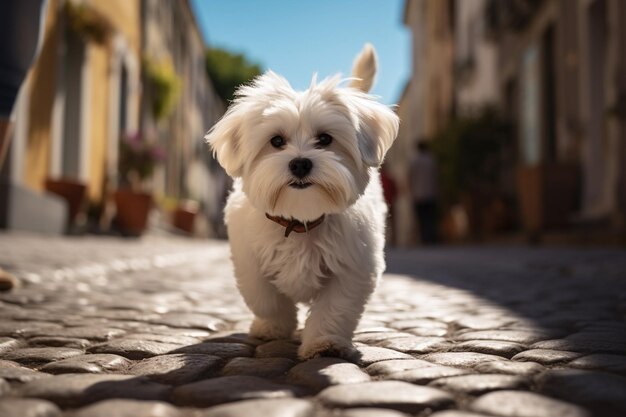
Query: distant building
[475,59]
[171,34]
[427,101]
[557,70]
[81,94]
[88,89]
[562,72]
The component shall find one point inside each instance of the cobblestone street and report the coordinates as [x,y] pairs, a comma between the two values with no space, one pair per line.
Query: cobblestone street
[155,327]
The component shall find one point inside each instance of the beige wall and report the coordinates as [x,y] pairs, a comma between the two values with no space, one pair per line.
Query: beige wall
[476,56]
[124,17]
[99,64]
[42,82]
[438,59]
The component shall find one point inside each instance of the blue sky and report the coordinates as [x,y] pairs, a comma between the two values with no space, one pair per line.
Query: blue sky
[299,37]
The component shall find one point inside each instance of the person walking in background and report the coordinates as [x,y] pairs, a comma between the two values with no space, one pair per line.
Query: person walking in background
[390,192]
[20,38]
[423,177]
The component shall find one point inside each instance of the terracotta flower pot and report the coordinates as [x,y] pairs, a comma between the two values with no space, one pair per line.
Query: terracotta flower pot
[132,211]
[184,216]
[548,195]
[74,192]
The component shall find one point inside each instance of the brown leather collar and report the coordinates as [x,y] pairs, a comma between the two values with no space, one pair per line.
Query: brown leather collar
[293,225]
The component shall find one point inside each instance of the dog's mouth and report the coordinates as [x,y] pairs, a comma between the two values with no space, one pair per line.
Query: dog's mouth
[300,185]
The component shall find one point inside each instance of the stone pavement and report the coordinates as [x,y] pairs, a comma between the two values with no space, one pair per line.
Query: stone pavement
[155,327]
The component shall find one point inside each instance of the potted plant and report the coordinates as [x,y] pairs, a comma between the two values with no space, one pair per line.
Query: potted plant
[139,156]
[86,22]
[471,152]
[184,215]
[74,192]
[164,86]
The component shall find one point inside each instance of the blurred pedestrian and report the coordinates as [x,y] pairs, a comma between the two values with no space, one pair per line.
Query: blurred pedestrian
[390,191]
[423,178]
[20,38]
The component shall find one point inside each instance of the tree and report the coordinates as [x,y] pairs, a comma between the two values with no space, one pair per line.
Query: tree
[228,71]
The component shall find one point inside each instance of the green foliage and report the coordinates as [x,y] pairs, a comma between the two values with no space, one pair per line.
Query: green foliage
[469,151]
[164,84]
[228,71]
[86,22]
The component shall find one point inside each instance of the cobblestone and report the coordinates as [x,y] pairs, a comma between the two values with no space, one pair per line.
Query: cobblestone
[480,384]
[416,344]
[156,327]
[133,348]
[97,334]
[128,408]
[7,344]
[466,359]
[509,367]
[261,367]
[492,347]
[525,404]
[519,336]
[322,372]
[399,396]
[597,390]
[41,355]
[590,345]
[223,350]
[25,407]
[456,413]
[392,366]
[371,412]
[546,356]
[4,387]
[177,369]
[604,362]
[94,364]
[281,407]
[12,372]
[228,389]
[371,354]
[80,389]
[427,374]
[68,342]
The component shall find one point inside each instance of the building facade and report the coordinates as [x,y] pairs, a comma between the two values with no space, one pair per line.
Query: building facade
[171,34]
[562,69]
[557,70]
[428,100]
[475,59]
[88,89]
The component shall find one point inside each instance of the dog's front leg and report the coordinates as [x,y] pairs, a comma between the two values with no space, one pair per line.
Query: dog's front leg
[334,316]
[275,314]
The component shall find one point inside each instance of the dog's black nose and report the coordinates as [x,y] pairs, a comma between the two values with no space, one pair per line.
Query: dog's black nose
[300,167]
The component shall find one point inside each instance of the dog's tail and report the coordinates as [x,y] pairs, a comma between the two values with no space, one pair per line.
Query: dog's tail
[364,69]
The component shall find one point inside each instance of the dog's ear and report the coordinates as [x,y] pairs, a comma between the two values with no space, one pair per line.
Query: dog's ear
[225,141]
[364,69]
[377,128]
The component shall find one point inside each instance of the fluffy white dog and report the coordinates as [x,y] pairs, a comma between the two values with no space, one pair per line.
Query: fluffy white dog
[306,216]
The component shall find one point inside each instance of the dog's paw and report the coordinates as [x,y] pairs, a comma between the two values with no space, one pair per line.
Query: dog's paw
[328,346]
[271,329]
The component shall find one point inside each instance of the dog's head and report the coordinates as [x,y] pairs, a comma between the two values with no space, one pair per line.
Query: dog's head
[301,154]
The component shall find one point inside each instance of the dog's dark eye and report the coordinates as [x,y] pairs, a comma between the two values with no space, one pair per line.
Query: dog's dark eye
[277,141]
[324,140]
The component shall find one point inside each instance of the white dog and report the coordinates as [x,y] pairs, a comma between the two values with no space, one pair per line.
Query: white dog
[306,216]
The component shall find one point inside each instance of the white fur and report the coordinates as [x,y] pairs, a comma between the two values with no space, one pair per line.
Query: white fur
[334,266]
